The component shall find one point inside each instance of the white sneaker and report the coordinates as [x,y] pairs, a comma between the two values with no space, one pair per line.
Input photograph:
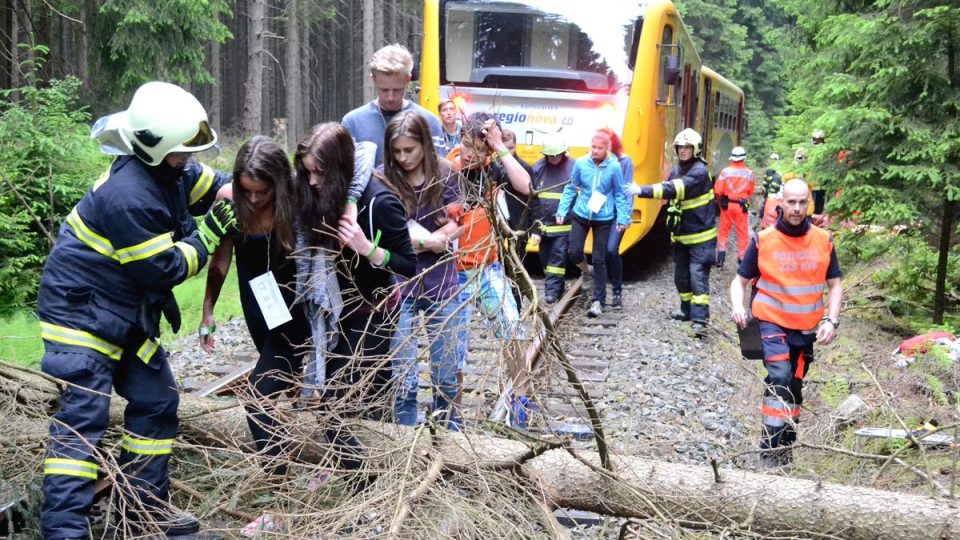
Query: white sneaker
[595,309]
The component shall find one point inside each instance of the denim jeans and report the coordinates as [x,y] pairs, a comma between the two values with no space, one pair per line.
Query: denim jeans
[489,289]
[441,320]
[601,235]
[614,261]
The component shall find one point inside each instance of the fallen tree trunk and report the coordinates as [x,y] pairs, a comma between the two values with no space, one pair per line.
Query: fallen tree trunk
[642,488]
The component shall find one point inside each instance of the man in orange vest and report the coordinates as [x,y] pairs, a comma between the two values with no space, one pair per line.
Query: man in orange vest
[791,262]
[733,190]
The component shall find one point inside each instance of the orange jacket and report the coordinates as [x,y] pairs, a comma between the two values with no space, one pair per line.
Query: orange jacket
[735,181]
[793,271]
[769,212]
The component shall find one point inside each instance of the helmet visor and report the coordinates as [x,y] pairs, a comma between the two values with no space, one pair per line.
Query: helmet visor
[204,138]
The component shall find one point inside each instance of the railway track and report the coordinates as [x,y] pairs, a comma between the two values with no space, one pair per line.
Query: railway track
[589,344]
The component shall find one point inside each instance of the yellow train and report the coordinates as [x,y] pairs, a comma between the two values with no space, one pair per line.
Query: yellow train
[545,66]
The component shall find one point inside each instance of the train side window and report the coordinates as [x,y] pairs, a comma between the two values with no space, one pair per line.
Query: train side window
[671,60]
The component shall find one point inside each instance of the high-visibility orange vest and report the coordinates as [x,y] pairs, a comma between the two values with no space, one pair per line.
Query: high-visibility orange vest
[769,212]
[793,271]
[735,181]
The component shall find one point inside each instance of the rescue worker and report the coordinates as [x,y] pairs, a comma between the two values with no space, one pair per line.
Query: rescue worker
[791,262]
[550,174]
[733,190]
[692,222]
[119,254]
[818,195]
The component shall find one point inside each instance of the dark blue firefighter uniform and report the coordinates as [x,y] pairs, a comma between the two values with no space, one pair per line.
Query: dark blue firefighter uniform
[692,221]
[122,249]
[548,182]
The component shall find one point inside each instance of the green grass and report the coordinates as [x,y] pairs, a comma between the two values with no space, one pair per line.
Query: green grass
[20,341]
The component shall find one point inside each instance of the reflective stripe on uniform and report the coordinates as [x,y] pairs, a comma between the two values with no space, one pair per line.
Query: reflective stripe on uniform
[145,250]
[775,411]
[697,202]
[147,447]
[686,296]
[549,195]
[71,467]
[555,270]
[789,308]
[657,191]
[550,229]
[796,289]
[679,188]
[95,241]
[701,299]
[203,185]
[147,350]
[190,254]
[696,238]
[69,336]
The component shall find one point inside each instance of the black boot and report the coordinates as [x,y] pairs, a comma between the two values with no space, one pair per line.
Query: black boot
[680,316]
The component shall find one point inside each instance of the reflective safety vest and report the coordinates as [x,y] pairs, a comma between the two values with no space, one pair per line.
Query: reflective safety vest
[735,181]
[793,271]
[769,212]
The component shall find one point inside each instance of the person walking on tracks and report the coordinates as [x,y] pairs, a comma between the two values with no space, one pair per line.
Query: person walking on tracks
[791,262]
[550,174]
[110,275]
[733,190]
[692,222]
[596,195]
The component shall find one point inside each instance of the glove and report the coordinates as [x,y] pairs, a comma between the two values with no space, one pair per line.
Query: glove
[171,312]
[721,258]
[215,225]
[633,189]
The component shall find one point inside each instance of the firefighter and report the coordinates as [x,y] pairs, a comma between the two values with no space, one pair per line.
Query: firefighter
[550,174]
[733,190]
[692,221]
[122,249]
[791,262]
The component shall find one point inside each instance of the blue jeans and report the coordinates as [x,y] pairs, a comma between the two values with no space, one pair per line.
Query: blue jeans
[490,290]
[441,320]
[614,261]
[601,235]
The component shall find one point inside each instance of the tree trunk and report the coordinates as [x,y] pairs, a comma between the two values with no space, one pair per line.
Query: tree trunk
[292,82]
[216,93]
[14,47]
[642,488]
[253,100]
[946,231]
[368,47]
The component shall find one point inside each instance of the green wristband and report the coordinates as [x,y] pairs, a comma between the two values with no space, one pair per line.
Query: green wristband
[207,330]
[376,240]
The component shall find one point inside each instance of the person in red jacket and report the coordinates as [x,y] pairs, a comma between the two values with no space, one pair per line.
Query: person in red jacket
[733,189]
[791,262]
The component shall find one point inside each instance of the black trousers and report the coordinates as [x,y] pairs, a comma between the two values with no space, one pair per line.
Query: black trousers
[553,258]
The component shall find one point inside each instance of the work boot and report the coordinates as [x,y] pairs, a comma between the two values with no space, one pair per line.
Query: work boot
[550,299]
[595,309]
[680,316]
[177,523]
[617,302]
[699,329]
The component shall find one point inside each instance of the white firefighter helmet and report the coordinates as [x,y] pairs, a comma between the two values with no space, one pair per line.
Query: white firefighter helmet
[800,154]
[688,137]
[162,118]
[817,136]
[738,154]
[774,157]
[553,145]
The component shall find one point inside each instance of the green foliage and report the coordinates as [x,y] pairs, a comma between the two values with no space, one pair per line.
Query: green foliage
[835,391]
[151,40]
[46,161]
[20,341]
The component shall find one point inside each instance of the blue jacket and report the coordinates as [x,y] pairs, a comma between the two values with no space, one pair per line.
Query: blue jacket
[606,179]
[126,243]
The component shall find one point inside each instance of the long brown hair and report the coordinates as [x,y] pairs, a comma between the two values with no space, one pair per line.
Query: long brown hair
[409,123]
[331,147]
[262,159]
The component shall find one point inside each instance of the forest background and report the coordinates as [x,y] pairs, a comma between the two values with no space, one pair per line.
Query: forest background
[879,77]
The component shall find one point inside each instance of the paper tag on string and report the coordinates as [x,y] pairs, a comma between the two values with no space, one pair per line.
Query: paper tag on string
[272,306]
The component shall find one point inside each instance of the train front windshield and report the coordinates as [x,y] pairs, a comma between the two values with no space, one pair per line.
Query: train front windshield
[518,46]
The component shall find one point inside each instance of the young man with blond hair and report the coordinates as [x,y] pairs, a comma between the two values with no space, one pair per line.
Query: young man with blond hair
[390,70]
